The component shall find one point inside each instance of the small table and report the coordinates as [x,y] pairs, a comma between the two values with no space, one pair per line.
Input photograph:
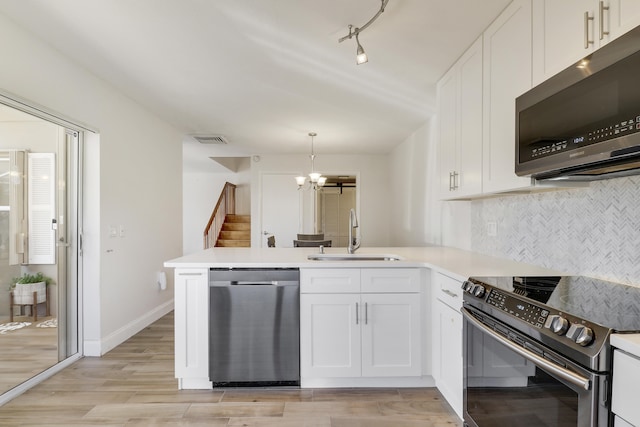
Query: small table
[34,306]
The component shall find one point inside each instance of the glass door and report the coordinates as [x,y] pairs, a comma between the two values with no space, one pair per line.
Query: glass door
[40,187]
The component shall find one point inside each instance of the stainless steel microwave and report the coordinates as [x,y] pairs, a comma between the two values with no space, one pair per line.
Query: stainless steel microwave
[584,122]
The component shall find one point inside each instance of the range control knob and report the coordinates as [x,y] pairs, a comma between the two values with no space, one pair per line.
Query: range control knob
[478,291]
[467,286]
[558,324]
[585,337]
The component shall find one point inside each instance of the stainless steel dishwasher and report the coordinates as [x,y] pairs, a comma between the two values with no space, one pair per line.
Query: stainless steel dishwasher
[254,327]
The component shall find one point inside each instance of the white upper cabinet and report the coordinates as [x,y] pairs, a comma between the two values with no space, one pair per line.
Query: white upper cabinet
[624,15]
[507,75]
[447,125]
[527,43]
[460,124]
[565,31]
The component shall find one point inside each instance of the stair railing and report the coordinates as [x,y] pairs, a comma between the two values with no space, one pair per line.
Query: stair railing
[226,206]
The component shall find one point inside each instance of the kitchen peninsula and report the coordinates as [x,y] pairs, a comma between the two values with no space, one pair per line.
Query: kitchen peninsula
[419,295]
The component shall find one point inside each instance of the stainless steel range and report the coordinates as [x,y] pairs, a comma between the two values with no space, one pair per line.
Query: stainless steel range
[537,349]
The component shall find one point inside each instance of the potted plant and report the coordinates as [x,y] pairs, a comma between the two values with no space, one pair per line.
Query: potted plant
[24,286]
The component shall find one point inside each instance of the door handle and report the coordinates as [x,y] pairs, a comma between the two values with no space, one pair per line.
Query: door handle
[366,313]
[601,16]
[587,18]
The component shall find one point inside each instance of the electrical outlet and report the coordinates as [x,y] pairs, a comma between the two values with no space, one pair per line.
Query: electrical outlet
[113,232]
[492,228]
[122,233]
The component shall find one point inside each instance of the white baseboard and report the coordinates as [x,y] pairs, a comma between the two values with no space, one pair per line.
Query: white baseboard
[194,384]
[98,348]
[396,382]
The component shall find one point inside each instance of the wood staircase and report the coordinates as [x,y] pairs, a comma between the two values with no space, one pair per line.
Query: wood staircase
[235,232]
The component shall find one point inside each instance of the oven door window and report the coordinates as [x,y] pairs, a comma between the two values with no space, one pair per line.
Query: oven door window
[503,388]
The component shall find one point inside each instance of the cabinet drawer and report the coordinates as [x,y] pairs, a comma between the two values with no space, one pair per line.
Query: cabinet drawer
[448,290]
[329,280]
[386,280]
[626,387]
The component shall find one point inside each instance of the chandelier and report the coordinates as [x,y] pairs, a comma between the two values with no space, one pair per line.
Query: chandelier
[316,180]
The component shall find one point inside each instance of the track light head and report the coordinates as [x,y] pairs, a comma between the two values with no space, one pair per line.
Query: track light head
[361,55]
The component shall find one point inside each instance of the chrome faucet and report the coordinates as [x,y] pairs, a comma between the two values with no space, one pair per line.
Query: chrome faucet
[354,242]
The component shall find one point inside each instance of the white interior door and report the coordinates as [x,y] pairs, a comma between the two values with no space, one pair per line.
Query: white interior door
[335,205]
[281,209]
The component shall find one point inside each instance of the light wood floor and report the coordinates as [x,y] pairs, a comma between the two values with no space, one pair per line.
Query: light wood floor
[133,385]
[26,352]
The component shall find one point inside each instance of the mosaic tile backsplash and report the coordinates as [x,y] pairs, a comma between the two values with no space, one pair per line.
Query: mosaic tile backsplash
[593,231]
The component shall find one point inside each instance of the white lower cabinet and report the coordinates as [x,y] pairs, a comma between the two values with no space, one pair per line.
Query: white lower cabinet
[626,387]
[191,314]
[391,335]
[330,335]
[447,339]
[360,334]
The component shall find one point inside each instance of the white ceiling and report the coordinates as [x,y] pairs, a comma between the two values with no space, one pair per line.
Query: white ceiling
[265,73]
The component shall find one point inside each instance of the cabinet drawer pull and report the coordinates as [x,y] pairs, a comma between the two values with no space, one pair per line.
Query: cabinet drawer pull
[448,292]
[189,274]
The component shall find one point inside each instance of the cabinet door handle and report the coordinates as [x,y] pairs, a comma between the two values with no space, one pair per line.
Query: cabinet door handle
[587,18]
[357,315]
[456,180]
[450,181]
[601,15]
[366,313]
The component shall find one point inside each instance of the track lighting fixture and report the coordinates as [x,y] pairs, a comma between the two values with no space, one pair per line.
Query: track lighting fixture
[361,56]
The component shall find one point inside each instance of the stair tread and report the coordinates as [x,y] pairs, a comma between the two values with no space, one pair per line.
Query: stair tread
[238,218]
[236,226]
[233,243]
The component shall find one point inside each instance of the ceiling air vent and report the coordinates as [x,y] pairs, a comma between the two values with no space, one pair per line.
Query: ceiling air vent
[210,139]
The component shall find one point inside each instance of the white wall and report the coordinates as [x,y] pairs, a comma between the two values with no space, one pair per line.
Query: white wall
[200,192]
[134,180]
[372,172]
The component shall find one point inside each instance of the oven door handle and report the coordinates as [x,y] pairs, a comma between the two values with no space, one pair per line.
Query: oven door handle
[561,372]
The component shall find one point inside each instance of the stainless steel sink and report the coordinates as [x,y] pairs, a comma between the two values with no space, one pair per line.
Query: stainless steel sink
[354,257]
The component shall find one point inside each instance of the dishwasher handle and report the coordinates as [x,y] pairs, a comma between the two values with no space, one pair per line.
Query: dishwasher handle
[254,283]
[227,283]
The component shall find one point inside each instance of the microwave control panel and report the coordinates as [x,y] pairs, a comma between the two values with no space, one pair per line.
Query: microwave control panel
[549,146]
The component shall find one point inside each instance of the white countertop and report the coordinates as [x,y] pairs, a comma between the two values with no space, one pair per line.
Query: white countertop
[627,342]
[458,263]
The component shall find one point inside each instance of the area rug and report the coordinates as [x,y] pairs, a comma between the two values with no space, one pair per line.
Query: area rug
[51,323]
[12,326]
